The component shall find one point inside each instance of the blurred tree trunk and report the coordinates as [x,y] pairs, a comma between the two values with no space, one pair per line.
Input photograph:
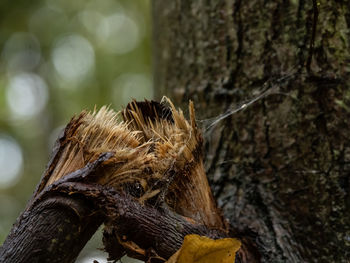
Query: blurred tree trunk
[281,166]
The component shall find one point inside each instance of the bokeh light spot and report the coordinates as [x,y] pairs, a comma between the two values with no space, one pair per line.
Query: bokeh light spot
[90,19]
[11,161]
[73,57]
[48,22]
[118,33]
[102,259]
[21,52]
[88,259]
[26,95]
[132,86]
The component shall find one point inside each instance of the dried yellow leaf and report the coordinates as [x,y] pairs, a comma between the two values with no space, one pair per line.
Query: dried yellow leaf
[199,249]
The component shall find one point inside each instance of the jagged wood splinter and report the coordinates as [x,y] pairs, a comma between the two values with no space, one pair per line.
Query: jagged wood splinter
[145,171]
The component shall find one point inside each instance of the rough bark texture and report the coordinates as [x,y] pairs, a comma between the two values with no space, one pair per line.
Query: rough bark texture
[145,228]
[55,230]
[281,166]
[54,227]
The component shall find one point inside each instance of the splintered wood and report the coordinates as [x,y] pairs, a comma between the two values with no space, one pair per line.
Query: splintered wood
[157,157]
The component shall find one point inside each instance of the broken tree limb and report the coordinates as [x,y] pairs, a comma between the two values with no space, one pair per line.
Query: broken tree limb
[148,227]
[53,231]
[54,227]
[56,223]
[142,177]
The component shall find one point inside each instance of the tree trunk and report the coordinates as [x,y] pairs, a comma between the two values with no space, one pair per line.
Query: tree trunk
[278,159]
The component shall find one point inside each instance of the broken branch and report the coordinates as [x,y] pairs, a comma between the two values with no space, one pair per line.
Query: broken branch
[143,177]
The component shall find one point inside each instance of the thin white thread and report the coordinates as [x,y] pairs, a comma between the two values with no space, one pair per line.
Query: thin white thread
[273,90]
[240,108]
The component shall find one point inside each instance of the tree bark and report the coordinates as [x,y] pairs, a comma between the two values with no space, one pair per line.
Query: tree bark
[60,220]
[279,159]
[55,226]
[54,231]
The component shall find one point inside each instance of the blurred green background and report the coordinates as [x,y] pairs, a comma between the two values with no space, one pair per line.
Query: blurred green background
[59,57]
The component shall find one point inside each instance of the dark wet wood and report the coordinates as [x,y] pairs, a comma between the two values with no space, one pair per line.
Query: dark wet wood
[53,231]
